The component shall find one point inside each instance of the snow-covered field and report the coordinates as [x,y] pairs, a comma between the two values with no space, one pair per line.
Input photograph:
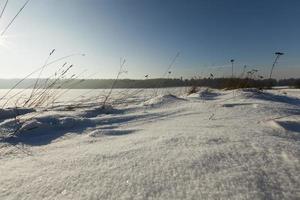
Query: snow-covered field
[241,144]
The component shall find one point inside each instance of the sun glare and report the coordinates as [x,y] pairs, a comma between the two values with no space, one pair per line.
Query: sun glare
[4,42]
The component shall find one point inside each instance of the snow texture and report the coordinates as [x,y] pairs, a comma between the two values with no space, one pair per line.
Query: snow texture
[214,144]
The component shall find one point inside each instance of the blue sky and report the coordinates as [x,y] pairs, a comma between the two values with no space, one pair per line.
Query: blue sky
[149,33]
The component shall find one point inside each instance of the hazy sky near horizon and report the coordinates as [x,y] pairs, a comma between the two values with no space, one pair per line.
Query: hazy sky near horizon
[149,33]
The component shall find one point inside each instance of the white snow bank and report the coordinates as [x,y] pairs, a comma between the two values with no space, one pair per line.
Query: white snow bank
[162,100]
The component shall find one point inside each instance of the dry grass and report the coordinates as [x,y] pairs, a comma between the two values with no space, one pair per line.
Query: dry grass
[193,89]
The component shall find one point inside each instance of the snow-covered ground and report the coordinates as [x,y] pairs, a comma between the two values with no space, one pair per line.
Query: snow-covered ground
[241,144]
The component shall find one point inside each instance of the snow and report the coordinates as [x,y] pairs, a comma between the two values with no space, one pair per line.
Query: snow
[215,144]
[161,100]
[14,112]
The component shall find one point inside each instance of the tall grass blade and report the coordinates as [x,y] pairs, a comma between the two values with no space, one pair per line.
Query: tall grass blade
[13,19]
[3,9]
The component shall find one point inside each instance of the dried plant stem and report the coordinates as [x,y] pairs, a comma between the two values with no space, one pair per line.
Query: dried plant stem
[3,9]
[37,80]
[13,19]
[35,71]
[122,63]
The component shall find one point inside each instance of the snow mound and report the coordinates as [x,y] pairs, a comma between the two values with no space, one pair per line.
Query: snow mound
[98,110]
[48,123]
[231,105]
[8,113]
[285,125]
[162,100]
[205,94]
[268,96]
[43,130]
[109,132]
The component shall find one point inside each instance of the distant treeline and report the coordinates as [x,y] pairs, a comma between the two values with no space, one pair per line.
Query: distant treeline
[148,83]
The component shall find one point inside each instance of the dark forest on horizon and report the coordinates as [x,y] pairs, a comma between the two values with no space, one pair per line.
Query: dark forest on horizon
[150,83]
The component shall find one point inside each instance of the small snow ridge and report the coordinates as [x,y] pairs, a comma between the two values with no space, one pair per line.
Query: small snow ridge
[229,105]
[8,113]
[288,129]
[109,132]
[288,125]
[205,94]
[98,110]
[46,124]
[32,124]
[43,130]
[269,96]
[274,124]
[162,99]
